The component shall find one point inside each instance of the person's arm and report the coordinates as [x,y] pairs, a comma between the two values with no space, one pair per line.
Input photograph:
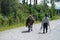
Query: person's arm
[49,24]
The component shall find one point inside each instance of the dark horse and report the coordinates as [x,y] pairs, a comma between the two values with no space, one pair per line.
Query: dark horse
[29,22]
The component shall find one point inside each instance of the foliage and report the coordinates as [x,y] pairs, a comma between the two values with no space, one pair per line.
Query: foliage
[12,12]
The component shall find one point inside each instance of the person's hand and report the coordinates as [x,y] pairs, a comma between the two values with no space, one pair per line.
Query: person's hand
[41,28]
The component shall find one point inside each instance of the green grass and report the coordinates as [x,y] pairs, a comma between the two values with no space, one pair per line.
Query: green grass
[55,17]
[7,27]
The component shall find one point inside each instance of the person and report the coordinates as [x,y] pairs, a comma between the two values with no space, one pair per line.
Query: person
[45,23]
[29,22]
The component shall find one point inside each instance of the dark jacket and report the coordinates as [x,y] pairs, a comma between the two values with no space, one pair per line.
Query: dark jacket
[29,21]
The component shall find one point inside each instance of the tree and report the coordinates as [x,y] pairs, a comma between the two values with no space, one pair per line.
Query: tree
[9,9]
[5,7]
[53,7]
[23,1]
[44,2]
[30,7]
[0,5]
[36,2]
[30,2]
[27,1]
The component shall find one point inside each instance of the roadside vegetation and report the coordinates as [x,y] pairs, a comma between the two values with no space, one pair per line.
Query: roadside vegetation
[13,14]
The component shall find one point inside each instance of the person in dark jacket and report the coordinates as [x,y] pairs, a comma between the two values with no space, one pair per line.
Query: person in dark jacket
[29,22]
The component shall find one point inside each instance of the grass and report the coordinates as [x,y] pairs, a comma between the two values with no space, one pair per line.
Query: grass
[55,17]
[7,27]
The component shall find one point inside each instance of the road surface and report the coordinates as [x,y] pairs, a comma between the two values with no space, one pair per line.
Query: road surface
[36,34]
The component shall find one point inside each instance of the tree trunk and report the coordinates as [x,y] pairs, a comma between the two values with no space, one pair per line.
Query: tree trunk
[30,2]
[27,1]
[52,2]
[36,2]
[30,6]
[23,1]
[44,1]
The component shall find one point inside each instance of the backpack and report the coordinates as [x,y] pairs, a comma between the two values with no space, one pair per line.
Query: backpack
[45,20]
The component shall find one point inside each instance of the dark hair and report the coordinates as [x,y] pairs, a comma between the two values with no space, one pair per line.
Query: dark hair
[46,15]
